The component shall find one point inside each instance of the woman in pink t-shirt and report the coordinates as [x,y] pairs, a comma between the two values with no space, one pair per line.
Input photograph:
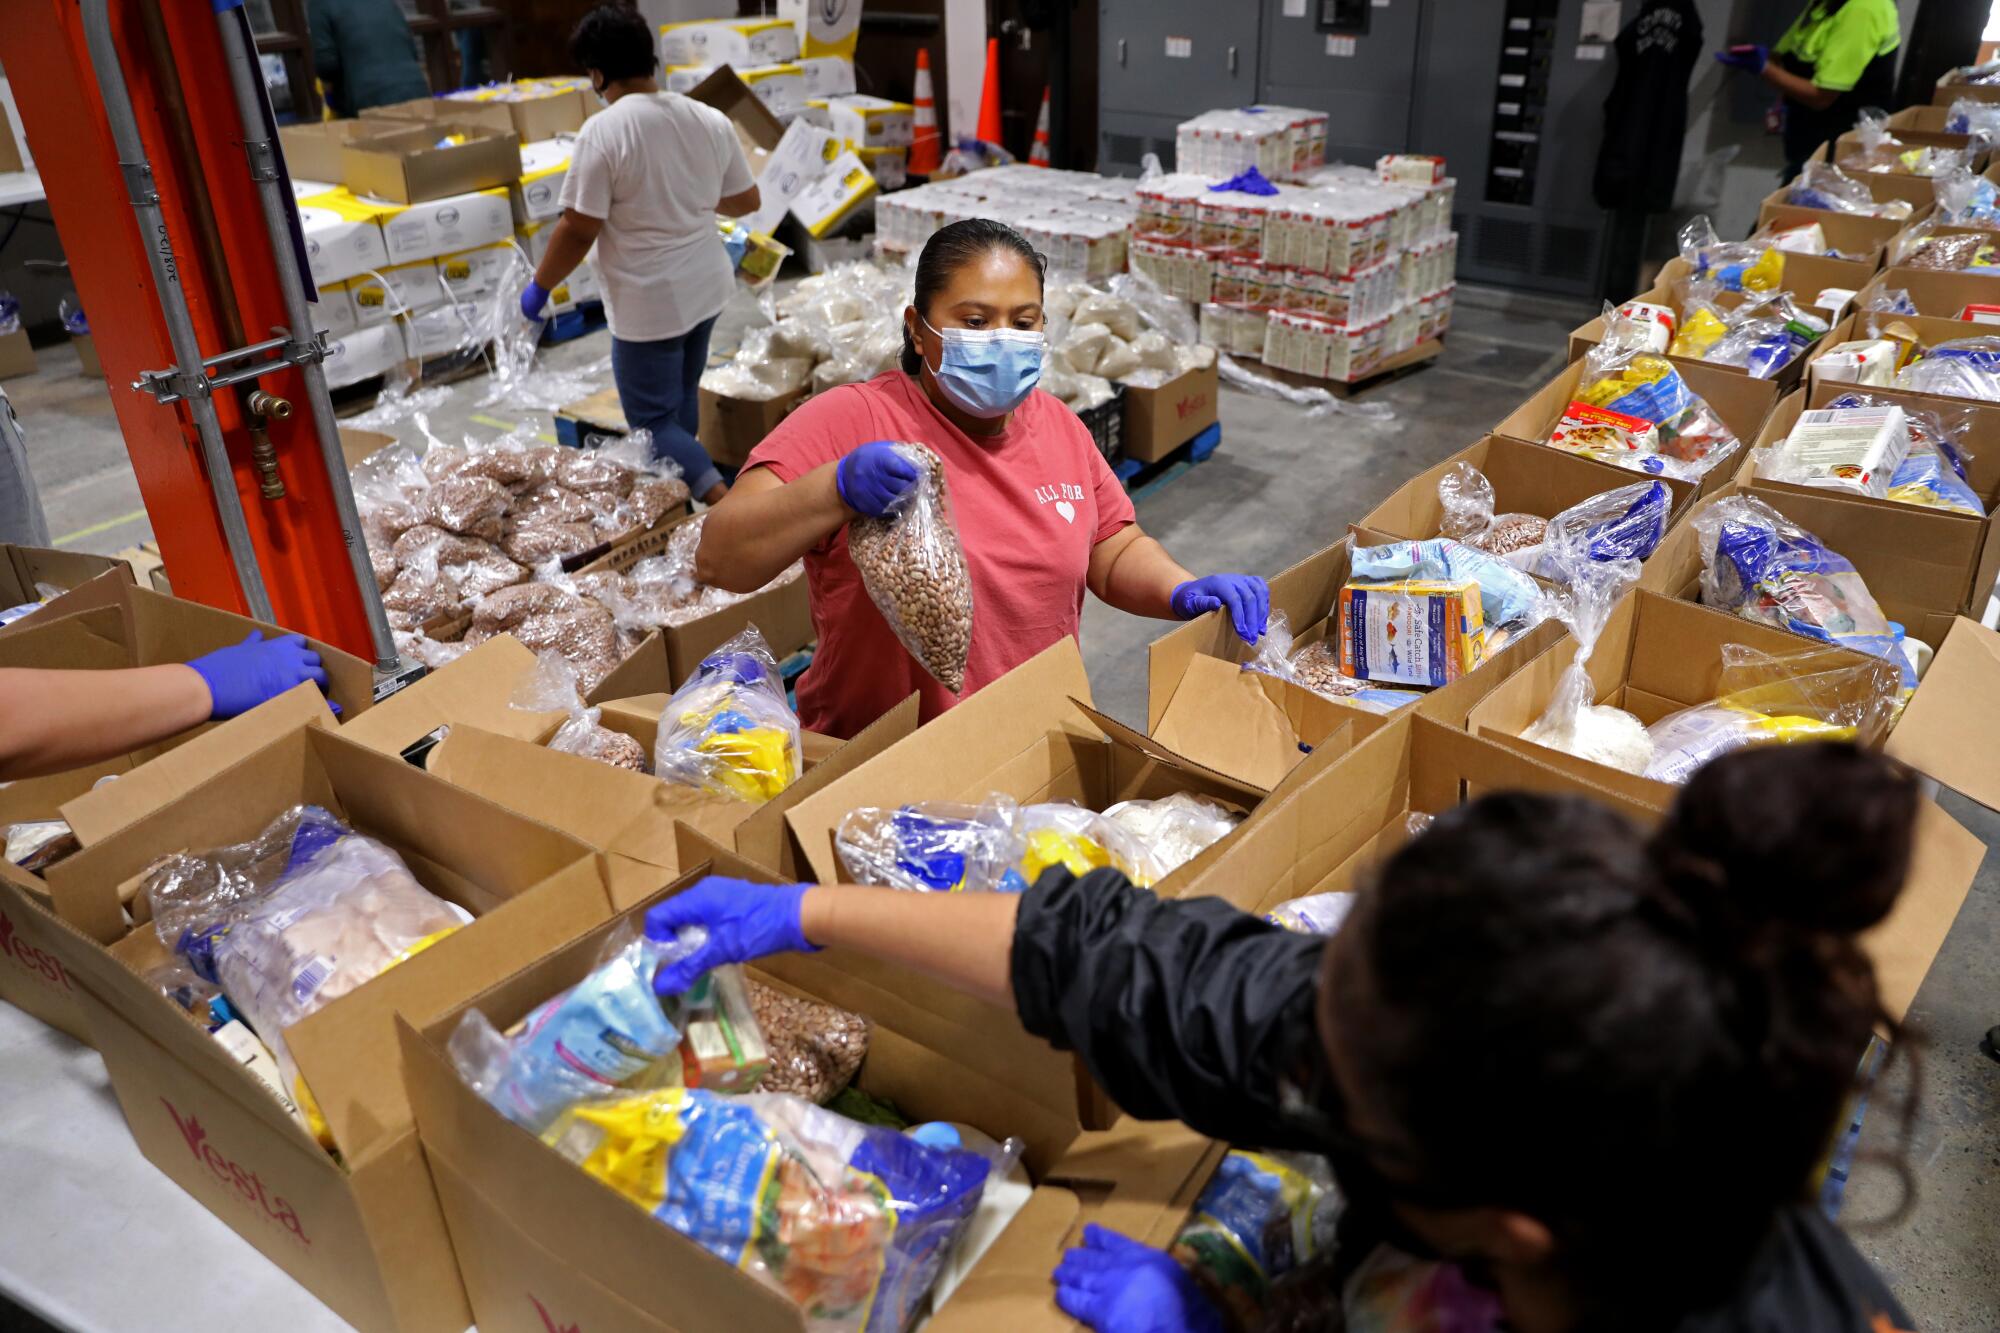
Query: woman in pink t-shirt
[1040,515]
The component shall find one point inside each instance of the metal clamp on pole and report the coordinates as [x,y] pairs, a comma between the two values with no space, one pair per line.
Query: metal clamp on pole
[170,386]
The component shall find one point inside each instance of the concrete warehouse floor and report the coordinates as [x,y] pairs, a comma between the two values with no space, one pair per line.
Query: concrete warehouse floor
[1281,487]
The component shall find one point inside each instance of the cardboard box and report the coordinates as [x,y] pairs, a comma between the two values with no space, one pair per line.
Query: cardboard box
[409,166]
[312,149]
[148,569]
[783,612]
[65,582]
[1936,294]
[379,295]
[363,1233]
[1949,90]
[1741,402]
[445,330]
[1032,736]
[739,42]
[731,427]
[1527,479]
[1932,565]
[449,225]
[363,354]
[542,1244]
[554,111]
[756,127]
[789,165]
[544,169]
[475,275]
[1159,421]
[1308,593]
[340,246]
[1846,232]
[827,202]
[1351,816]
[17,356]
[86,356]
[1849,150]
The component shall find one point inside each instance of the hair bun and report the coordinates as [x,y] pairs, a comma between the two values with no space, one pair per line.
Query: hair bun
[1817,836]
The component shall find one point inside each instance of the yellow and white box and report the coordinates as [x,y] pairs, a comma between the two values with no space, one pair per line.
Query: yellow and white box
[737,42]
[338,246]
[333,313]
[363,354]
[826,27]
[827,76]
[381,295]
[445,329]
[475,275]
[780,87]
[822,205]
[873,122]
[544,168]
[683,78]
[447,226]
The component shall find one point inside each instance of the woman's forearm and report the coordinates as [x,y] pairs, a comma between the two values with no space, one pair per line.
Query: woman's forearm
[763,525]
[53,721]
[1801,90]
[568,244]
[1138,576]
[964,940]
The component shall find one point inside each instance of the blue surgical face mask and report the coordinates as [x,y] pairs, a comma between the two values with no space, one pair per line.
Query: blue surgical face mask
[988,372]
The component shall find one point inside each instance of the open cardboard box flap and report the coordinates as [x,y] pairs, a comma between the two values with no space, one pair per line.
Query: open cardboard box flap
[477,689]
[1951,728]
[86,581]
[977,736]
[629,816]
[1249,726]
[1247,793]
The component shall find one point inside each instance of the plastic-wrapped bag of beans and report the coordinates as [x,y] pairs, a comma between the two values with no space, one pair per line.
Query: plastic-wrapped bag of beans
[815,1048]
[914,569]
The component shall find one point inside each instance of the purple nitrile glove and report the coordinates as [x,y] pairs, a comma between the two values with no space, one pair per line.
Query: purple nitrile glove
[1749,57]
[1116,1285]
[874,478]
[533,298]
[1246,597]
[245,674]
[744,921]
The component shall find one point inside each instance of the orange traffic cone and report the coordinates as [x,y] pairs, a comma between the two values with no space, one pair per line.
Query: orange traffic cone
[926,150]
[1038,154]
[989,95]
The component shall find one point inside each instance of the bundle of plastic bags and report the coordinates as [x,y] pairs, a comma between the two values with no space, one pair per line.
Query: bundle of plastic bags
[730,729]
[1507,597]
[1823,185]
[1632,409]
[1959,368]
[1626,523]
[1761,336]
[1169,832]
[292,920]
[1734,266]
[1965,200]
[1762,699]
[1881,151]
[934,847]
[1573,722]
[1970,116]
[1762,566]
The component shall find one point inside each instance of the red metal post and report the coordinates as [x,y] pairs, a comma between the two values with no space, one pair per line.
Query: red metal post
[297,538]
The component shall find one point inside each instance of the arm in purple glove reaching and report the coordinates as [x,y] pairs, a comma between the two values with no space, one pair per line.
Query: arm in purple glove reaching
[54,721]
[1133,572]
[764,524]
[1113,1284]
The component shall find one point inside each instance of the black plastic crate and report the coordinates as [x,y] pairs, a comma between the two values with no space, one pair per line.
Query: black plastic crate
[1106,424]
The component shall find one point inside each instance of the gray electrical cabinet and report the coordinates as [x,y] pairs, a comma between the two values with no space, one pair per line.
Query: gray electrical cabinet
[1509,92]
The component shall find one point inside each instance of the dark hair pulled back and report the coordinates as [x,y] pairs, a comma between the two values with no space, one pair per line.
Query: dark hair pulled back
[952,247]
[616,41]
[1644,1041]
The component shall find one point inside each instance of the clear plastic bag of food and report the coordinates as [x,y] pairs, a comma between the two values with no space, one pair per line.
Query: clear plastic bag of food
[1856,449]
[1966,200]
[36,844]
[730,729]
[1762,566]
[1933,473]
[1467,498]
[611,1031]
[1261,1216]
[1313,914]
[1573,722]
[552,688]
[1954,252]
[1507,597]
[292,920]
[914,570]
[1736,266]
[1823,185]
[1969,116]
[852,1222]
[1960,368]
[1627,523]
[1173,830]
[1815,695]
[1061,833]
[1768,341]
[1316,666]
[1635,411]
[934,847]
[815,1048]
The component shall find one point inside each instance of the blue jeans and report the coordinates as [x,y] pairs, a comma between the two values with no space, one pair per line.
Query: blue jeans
[659,390]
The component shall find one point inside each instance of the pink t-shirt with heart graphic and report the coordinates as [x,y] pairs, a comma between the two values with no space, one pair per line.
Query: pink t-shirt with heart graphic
[1030,504]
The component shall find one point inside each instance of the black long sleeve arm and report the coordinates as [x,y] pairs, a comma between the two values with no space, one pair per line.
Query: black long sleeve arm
[1183,1010]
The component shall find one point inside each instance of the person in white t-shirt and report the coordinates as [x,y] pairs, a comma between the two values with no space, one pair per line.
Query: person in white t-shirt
[646,180]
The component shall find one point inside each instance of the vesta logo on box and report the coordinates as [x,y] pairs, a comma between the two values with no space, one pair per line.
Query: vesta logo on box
[25,955]
[1190,405]
[549,1320]
[238,1177]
